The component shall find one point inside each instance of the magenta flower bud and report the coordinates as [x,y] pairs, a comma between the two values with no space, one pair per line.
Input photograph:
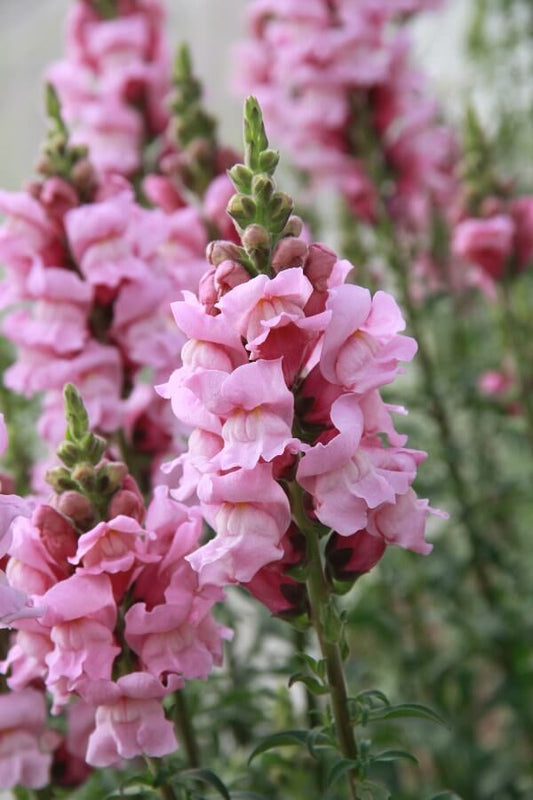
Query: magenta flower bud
[289,252]
[229,274]
[294,226]
[349,557]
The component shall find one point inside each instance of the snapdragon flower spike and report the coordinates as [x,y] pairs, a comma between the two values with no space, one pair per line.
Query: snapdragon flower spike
[125,619]
[281,377]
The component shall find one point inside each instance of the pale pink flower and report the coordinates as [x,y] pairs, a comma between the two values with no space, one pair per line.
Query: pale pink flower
[362,347]
[25,746]
[257,412]
[250,513]
[130,721]
[114,546]
[348,475]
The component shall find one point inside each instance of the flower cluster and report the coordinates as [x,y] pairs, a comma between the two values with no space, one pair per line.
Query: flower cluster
[93,281]
[280,379]
[113,80]
[337,88]
[500,243]
[13,602]
[126,620]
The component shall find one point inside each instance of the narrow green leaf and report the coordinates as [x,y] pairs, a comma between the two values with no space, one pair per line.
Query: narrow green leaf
[370,694]
[407,710]
[314,686]
[282,739]
[340,768]
[208,777]
[394,755]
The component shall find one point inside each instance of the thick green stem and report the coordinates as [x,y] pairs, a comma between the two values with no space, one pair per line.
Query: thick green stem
[185,728]
[320,597]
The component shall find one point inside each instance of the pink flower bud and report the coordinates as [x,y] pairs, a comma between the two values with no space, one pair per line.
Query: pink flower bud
[220,251]
[128,504]
[228,275]
[318,266]
[289,252]
[56,533]
[76,506]
[207,293]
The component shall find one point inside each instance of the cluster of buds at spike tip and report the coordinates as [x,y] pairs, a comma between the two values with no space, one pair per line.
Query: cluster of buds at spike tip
[88,486]
[193,128]
[61,159]
[263,216]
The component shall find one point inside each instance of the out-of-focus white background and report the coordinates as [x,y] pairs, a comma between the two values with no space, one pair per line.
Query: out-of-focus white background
[31,38]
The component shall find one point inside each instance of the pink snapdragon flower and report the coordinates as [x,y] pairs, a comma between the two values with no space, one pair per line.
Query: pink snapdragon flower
[25,746]
[113,82]
[316,70]
[130,721]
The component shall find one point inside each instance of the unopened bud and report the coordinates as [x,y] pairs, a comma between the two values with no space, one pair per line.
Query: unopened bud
[243,209]
[85,475]
[348,557]
[318,266]
[228,275]
[127,503]
[241,177]
[60,479]
[77,507]
[207,293]
[110,476]
[68,453]
[56,533]
[83,175]
[220,251]
[294,226]
[268,161]
[263,188]
[7,484]
[255,237]
[289,252]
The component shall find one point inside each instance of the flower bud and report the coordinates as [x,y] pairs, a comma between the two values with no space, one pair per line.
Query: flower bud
[60,479]
[110,476]
[348,557]
[220,251]
[289,252]
[128,503]
[243,209]
[228,275]
[294,226]
[7,484]
[318,266]
[207,293]
[85,475]
[77,507]
[56,533]
[255,237]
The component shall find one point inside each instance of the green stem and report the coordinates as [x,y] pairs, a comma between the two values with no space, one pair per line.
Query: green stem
[166,792]
[521,358]
[319,597]
[185,728]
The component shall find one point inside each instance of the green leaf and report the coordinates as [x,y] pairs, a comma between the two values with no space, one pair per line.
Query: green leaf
[407,710]
[394,755]
[443,796]
[340,768]
[314,686]
[208,777]
[282,739]
[370,694]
